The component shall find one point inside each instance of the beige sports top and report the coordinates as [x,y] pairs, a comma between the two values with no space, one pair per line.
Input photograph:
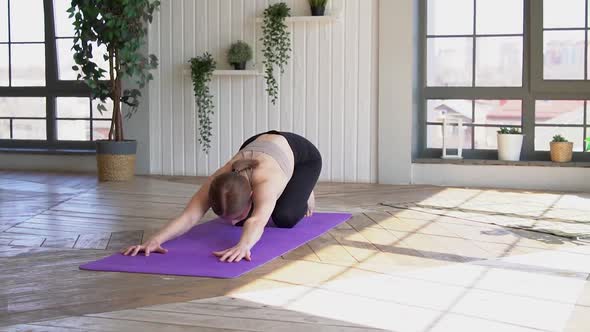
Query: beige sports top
[273,150]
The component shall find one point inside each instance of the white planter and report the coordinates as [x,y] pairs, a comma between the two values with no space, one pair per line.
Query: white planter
[509,146]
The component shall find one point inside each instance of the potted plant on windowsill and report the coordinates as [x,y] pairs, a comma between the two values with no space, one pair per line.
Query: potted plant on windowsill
[509,144]
[318,7]
[561,149]
[239,54]
[121,26]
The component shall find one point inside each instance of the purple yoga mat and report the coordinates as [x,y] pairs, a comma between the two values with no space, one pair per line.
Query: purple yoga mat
[191,253]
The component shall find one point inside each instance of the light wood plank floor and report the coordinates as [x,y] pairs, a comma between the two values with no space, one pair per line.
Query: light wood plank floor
[385,269]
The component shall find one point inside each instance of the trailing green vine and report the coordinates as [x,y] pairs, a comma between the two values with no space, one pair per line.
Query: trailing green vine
[202,68]
[276,45]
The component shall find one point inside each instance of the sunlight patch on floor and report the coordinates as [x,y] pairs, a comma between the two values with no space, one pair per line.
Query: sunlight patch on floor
[451,297]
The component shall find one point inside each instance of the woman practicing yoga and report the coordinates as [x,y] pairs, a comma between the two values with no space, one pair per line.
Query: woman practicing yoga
[273,175]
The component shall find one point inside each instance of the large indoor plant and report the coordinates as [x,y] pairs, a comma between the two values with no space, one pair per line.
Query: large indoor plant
[561,149]
[276,45]
[202,68]
[121,26]
[238,54]
[509,144]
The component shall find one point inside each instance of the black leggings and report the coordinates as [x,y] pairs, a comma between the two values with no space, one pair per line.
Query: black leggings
[291,206]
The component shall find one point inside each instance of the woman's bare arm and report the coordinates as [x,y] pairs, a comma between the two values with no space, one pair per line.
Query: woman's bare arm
[264,200]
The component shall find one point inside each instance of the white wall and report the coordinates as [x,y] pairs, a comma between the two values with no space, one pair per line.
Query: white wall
[497,176]
[328,92]
[397,85]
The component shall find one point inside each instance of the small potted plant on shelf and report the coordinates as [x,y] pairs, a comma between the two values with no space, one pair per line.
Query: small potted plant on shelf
[121,26]
[509,144]
[318,7]
[238,54]
[588,144]
[561,149]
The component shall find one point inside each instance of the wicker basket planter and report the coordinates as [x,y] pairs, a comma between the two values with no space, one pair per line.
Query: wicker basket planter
[561,152]
[116,160]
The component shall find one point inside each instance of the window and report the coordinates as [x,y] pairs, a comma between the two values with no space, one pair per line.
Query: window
[41,103]
[505,63]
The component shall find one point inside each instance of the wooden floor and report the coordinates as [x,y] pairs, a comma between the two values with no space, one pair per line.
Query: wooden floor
[386,268]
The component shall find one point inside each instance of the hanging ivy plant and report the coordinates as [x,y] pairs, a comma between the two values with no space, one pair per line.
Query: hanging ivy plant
[276,45]
[202,68]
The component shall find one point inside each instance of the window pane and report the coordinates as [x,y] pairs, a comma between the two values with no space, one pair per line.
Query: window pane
[434,137]
[563,55]
[501,112]
[438,109]
[450,17]
[4,129]
[28,129]
[105,115]
[27,21]
[65,59]
[73,130]
[559,112]
[4,65]
[3,20]
[563,14]
[28,65]
[63,24]
[73,107]
[23,107]
[544,135]
[588,116]
[498,61]
[100,129]
[488,12]
[486,138]
[449,61]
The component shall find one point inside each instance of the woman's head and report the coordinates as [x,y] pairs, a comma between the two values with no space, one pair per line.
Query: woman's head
[230,193]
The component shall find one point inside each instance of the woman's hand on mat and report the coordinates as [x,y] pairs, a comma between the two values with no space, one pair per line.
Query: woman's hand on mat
[234,254]
[147,247]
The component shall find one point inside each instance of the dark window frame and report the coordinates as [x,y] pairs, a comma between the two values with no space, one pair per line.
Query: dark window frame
[53,89]
[533,88]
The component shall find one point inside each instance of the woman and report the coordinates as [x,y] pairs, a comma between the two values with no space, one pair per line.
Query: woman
[272,176]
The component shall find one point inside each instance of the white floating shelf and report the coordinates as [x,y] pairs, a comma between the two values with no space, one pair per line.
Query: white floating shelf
[321,19]
[245,72]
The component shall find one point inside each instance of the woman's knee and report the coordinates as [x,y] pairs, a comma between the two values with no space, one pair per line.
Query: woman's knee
[287,218]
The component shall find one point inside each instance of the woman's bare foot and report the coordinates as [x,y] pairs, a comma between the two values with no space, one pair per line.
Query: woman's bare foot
[310,205]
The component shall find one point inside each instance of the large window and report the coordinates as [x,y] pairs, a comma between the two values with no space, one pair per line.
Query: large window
[41,103]
[505,63]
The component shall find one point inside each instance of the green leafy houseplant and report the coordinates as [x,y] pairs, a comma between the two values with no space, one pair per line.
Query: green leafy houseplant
[588,144]
[202,68]
[559,139]
[509,131]
[238,54]
[276,44]
[121,26]
[318,7]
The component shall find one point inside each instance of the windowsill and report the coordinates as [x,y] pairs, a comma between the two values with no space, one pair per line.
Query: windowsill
[498,162]
[47,151]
